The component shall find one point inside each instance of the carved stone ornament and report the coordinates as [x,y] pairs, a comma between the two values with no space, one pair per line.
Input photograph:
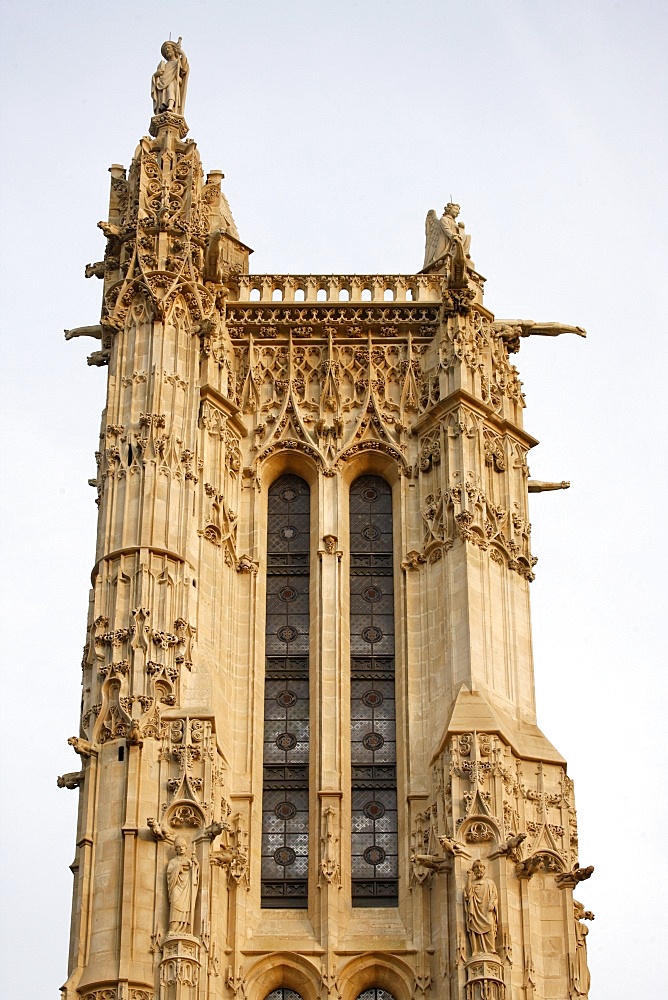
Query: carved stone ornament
[330,544]
[72,780]
[529,867]
[568,880]
[453,847]
[329,864]
[180,967]
[484,979]
[83,747]
[113,993]
[247,565]
[511,848]
[232,854]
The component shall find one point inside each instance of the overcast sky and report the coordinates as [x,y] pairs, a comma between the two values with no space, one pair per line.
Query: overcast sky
[338,125]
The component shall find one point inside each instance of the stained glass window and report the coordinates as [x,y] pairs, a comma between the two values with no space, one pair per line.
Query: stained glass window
[286,699]
[286,994]
[372,708]
[374,993]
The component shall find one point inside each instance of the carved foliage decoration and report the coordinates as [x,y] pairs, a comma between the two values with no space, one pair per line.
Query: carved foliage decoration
[137,664]
[113,721]
[158,244]
[189,749]
[461,503]
[221,524]
[156,436]
[232,854]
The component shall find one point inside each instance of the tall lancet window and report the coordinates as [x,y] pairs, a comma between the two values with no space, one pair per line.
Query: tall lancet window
[286,697]
[372,701]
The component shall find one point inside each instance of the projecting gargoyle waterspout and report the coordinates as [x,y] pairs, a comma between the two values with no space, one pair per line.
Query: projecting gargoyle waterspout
[511,330]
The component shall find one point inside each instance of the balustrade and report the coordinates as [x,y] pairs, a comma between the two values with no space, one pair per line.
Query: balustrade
[334,288]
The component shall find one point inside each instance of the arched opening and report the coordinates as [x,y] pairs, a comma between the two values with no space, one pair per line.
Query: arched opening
[388,295]
[254,295]
[344,295]
[366,295]
[322,295]
[300,295]
[374,845]
[277,295]
[286,697]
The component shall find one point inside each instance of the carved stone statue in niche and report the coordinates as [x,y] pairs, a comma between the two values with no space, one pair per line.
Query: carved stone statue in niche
[182,886]
[441,233]
[481,902]
[169,82]
[581,969]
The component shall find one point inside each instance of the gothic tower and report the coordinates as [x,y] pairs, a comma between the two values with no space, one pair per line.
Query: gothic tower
[310,764]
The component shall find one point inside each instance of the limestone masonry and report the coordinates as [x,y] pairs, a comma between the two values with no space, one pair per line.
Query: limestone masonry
[309,759]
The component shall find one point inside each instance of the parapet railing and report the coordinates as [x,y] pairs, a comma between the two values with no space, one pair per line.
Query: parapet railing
[338,288]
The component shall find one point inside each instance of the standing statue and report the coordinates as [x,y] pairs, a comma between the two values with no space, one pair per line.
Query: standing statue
[182,885]
[169,82]
[481,900]
[442,233]
[581,970]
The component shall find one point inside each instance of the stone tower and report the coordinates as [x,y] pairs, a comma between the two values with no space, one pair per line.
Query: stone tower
[309,756]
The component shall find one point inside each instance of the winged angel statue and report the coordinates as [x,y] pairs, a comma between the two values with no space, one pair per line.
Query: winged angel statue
[442,233]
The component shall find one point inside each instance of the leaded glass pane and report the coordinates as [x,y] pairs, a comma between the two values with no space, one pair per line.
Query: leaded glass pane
[373,709]
[374,993]
[286,701]
[285,994]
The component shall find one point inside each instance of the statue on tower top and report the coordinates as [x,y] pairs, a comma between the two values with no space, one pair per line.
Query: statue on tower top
[170,80]
[442,233]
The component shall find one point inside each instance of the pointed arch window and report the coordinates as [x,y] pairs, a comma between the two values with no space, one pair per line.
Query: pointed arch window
[286,701]
[372,704]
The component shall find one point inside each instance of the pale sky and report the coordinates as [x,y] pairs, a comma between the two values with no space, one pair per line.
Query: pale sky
[338,125]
